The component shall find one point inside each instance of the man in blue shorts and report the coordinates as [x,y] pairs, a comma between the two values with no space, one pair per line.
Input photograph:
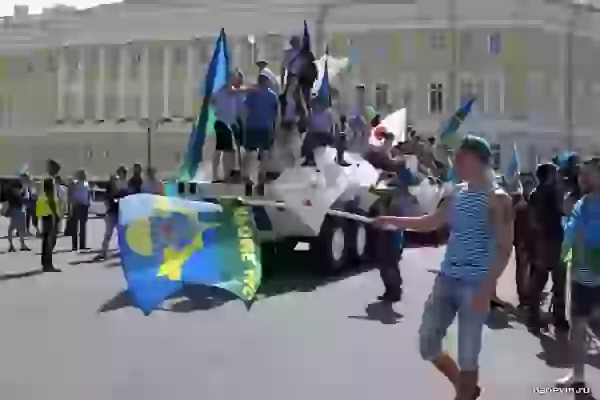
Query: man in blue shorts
[480,217]
[262,119]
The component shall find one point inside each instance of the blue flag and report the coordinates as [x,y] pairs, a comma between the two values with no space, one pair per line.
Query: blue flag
[513,168]
[166,243]
[449,133]
[306,46]
[325,88]
[217,76]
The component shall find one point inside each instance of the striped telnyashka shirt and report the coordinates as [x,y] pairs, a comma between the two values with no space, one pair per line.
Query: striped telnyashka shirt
[470,248]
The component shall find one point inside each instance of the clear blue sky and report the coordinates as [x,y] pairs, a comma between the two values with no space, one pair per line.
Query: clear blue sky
[36,6]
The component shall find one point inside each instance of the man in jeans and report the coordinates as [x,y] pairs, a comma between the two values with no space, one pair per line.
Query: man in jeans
[480,217]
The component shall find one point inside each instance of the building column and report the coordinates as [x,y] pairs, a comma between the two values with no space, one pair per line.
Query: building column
[81,83]
[190,83]
[166,84]
[145,82]
[101,85]
[122,82]
[61,81]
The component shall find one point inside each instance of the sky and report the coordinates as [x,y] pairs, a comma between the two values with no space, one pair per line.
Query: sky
[36,6]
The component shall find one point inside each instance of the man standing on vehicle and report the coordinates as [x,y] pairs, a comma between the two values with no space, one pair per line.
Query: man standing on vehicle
[262,119]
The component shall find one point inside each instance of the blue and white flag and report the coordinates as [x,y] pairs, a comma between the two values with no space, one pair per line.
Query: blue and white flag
[513,168]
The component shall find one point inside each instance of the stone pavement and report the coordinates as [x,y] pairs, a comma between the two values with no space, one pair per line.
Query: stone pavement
[74,336]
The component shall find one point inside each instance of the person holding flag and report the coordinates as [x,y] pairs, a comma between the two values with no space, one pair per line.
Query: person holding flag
[522,238]
[546,208]
[479,248]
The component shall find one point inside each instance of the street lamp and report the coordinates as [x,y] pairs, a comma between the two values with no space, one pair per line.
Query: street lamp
[576,9]
[453,75]
[150,126]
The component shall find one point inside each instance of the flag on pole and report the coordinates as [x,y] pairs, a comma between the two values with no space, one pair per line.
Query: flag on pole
[166,243]
[449,133]
[325,88]
[513,168]
[306,45]
[217,75]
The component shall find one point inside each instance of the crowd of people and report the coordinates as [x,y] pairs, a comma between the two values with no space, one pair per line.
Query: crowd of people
[53,205]
[487,218]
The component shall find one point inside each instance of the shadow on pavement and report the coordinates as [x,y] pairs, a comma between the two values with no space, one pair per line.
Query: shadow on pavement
[382,312]
[294,280]
[19,275]
[499,319]
[200,298]
[554,349]
[59,251]
[190,298]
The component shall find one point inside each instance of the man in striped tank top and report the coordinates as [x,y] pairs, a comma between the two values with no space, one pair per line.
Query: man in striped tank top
[583,234]
[480,218]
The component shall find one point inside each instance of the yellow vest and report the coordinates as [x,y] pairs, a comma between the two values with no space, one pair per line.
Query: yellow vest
[42,205]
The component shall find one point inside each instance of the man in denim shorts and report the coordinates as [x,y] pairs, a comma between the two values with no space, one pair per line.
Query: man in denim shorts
[480,218]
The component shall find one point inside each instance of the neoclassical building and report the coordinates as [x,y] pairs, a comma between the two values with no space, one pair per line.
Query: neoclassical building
[85,86]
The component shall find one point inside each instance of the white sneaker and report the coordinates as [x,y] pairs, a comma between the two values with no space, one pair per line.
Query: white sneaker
[570,381]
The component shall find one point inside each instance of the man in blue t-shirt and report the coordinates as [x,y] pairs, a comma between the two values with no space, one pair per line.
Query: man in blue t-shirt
[262,119]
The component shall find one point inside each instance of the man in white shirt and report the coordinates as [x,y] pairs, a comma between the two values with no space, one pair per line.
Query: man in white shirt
[359,127]
[292,59]
[263,69]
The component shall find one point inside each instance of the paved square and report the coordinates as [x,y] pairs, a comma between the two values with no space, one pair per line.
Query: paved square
[74,336]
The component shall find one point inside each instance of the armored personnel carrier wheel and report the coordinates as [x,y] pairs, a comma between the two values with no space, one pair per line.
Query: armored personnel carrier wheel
[331,249]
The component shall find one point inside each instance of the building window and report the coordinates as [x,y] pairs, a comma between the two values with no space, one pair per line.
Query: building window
[438,40]
[470,88]
[112,62]
[51,63]
[381,96]
[494,44]
[466,40]
[494,96]
[496,155]
[274,46]
[178,56]
[436,98]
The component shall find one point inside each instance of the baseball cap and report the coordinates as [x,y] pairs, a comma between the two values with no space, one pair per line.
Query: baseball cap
[478,146]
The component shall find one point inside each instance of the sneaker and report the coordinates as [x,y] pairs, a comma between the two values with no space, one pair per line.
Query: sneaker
[25,248]
[50,269]
[569,381]
[12,249]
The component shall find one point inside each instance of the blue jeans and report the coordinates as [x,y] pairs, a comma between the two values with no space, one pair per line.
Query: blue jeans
[451,297]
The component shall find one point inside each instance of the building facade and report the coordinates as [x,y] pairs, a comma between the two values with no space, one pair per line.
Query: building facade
[85,86]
